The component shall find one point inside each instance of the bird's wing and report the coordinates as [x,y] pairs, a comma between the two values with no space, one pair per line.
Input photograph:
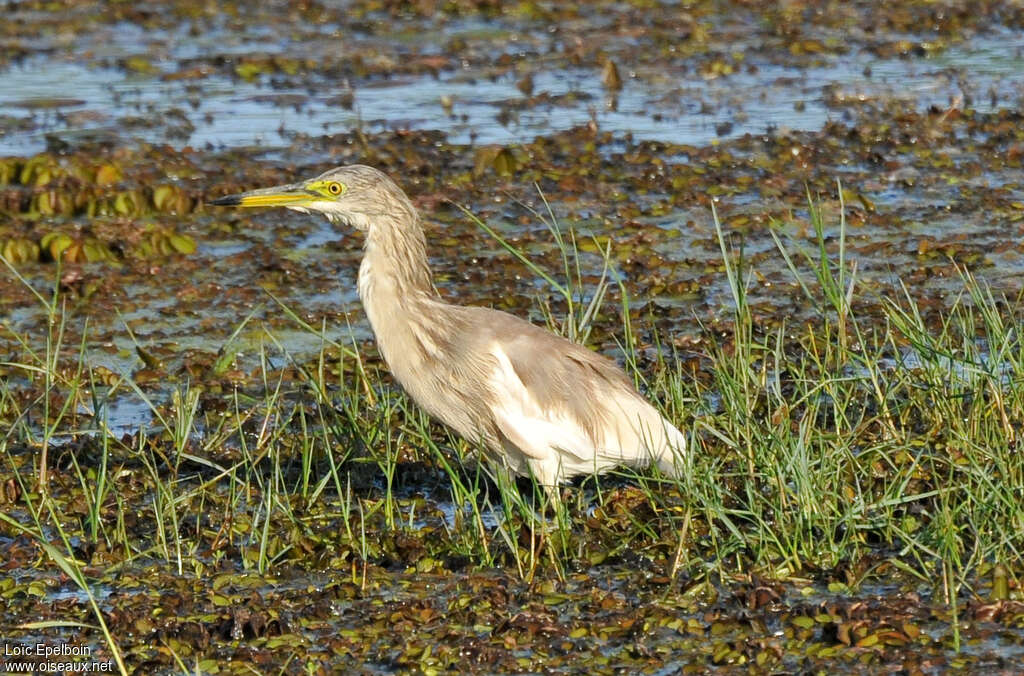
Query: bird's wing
[565,409]
[555,401]
[536,429]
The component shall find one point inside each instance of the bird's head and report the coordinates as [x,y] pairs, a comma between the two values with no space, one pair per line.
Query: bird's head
[355,195]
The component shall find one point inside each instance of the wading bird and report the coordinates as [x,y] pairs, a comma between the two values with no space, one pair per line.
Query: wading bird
[537,403]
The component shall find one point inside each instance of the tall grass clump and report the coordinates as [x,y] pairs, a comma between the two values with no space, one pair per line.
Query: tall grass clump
[871,435]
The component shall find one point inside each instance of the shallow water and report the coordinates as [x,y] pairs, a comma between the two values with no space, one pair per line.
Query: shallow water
[83,92]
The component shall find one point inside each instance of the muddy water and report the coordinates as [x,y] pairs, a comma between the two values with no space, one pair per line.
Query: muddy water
[87,90]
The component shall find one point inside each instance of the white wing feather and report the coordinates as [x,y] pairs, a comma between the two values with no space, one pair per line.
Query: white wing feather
[554,444]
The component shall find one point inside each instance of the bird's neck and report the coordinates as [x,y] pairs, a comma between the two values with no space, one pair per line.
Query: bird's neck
[395,258]
[396,288]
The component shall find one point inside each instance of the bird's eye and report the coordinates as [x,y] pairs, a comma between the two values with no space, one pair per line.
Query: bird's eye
[335,188]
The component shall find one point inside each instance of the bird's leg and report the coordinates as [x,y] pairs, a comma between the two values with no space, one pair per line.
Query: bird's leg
[546,477]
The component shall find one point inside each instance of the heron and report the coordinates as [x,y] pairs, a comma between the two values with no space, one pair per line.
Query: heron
[535,403]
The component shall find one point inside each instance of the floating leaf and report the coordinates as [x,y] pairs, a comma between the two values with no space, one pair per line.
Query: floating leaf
[868,641]
[140,64]
[504,163]
[250,71]
[107,175]
[1000,583]
[525,85]
[92,252]
[56,243]
[182,243]
[19,250]
[9,168]
[126,203]
[610,76]
[73,253]
[162,196]
[149,359]
[42,203]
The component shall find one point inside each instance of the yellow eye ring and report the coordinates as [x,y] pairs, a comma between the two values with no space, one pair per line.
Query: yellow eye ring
[335,188]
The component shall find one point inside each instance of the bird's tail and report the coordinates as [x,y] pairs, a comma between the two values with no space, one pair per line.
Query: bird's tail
[666,446]
[670,455]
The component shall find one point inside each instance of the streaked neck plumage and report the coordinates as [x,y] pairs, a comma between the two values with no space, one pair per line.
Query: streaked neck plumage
[397,290]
